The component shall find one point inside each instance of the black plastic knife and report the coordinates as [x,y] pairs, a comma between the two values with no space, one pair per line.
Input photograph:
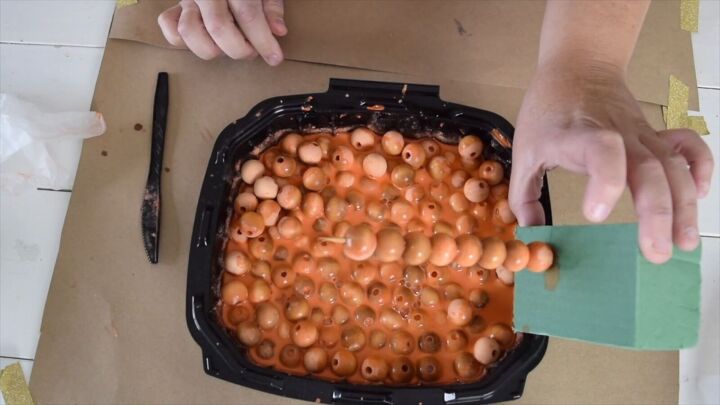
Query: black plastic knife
[151,199]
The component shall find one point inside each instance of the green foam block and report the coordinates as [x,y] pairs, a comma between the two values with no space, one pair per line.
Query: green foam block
[602,290]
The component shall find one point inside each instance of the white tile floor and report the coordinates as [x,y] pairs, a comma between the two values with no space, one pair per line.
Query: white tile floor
[50,53]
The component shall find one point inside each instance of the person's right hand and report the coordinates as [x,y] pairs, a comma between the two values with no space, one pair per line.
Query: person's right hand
[240,29]
[580,116]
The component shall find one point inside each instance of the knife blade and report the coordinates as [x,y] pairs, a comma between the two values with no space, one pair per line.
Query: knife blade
[151,199]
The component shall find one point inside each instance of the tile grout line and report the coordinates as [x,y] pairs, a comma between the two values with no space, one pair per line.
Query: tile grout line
[52,45]
[16,358]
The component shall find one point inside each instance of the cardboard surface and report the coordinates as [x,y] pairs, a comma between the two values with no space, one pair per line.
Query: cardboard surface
[602,289]
[114,326]
[490,42]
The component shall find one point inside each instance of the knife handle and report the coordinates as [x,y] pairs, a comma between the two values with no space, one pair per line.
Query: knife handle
[160,113]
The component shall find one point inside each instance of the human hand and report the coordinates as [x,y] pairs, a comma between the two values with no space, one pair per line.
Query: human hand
[240,29]
[581,116]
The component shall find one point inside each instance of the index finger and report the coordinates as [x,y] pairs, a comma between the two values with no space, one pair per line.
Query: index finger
[250,16]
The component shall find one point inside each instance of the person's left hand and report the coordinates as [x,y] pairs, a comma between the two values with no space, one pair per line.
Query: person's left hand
[240,29]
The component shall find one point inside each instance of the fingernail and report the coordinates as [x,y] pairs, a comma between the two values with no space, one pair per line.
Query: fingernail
[599,211]
[704,188]
[274,59]
[663,247]
[691,234]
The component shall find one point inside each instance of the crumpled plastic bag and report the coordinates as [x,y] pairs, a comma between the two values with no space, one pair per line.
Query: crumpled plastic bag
[30,140]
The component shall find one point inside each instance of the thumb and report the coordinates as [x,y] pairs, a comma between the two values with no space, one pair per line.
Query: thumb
[526,184]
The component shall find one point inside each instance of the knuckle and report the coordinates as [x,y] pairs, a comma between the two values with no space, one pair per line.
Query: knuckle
[648,163]
[216,26]
[610,142]
[247,13]
[183,29]
[675,160]
[657,210]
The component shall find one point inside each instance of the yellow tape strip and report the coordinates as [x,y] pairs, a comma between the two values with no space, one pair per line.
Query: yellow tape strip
[698,125]
[123,3]
[13,386]
[677,116]
[689,10]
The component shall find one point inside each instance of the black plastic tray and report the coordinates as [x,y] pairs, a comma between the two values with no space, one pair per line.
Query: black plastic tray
[408,108]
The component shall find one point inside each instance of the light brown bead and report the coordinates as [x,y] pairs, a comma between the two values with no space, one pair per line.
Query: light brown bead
[304,286]
[417,248]
[494,253]
[290,355]
[365,316]
[402,175]
[439,168]
[268,315]
[340,315]
[402,370]
[392,143]
[456,340]
[470,250]
[270,212]
[465,224]
[335,209]
[313,205]
[390,245]
[328,292]
[491,171]
[429,297]
[374,165]
[476,190]
[259,291]
[466,366]
[251,170]
[297,308]
[487,350]
[314,179]
[374,369]
[428,368]
[245,201]
[362,138]
[252,224]
[401,212]
[310,153]
[444,249]
[401,342]
[503,334]
[284,166]
[414,155]
[315,359]
[343,363]
[390,319]
[289,227]
[237,263]
[304,333]
[265,188]
[458,178]
[304,263]
[353,338]
[249,334]
[470,147]
[289,197]
[345,179]
[518,255]
[342,157]
[502,214]
[541,256]
[460,312]
[290,142]
[352,293]
[360,242]
[430,147]
[378,339]
[329,336]
[364,273]
[234,292]
[262,247]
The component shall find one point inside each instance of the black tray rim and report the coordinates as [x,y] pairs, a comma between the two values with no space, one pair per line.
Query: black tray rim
[222,358]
